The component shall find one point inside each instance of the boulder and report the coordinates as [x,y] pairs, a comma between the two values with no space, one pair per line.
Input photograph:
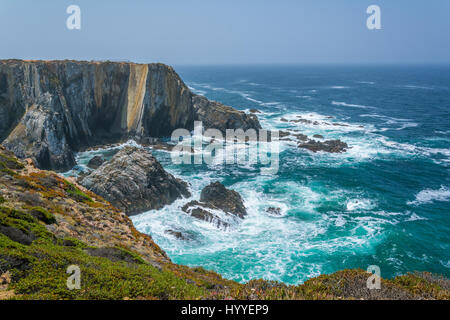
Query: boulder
[95,162]
[134,181]
[226,200]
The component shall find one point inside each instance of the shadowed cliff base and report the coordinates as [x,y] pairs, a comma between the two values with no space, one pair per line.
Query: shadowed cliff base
[51,109]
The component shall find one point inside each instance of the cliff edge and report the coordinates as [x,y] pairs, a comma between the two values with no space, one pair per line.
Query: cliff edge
[51,109]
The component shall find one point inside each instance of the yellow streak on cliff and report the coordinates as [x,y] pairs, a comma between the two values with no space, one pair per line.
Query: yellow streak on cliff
[136,93]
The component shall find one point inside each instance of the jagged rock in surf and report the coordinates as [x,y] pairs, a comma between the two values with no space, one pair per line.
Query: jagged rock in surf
[95,162]
[216,197]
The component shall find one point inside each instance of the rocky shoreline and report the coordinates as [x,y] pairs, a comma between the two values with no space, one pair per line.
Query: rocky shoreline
[48,222]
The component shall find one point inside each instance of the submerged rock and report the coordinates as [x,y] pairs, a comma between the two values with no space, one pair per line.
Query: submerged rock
[134,181]
[95,162]
[331,146]
[178,235]
[274,211]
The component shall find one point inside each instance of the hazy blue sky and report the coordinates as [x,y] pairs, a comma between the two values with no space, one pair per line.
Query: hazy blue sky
[228,31]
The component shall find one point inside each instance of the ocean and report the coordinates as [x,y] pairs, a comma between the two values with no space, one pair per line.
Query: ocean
[384,202]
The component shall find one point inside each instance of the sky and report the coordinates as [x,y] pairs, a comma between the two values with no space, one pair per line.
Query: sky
[203,32]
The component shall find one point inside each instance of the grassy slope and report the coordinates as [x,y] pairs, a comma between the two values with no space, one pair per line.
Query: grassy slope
[48,223]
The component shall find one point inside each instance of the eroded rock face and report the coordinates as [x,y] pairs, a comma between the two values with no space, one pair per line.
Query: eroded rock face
[134,181]
[216,197]
[51,109]
[218,116]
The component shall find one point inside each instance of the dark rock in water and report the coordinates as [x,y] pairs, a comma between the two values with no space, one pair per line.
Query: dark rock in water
[179,235]
[274,211]
[216,197]
[169,147]
[283,134]
[220,197]
[215,115]
[301,136]
[134,181]
[201,211]
[51,109]
[318,136]
[332,146]
[284,120]
[95,162]
[254,111]
[337,124]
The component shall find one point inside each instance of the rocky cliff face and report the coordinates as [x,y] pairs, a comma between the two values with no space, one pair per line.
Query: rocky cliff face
[134,181]
[49,109]
[218,116]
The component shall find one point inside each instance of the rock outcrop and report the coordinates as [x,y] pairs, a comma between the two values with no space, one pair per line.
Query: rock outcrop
[51,109]
[216,197]
[134,181]
[218,116]
[229,201]
[331,146]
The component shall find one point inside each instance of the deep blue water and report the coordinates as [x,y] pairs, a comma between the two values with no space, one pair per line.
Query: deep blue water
[384,202]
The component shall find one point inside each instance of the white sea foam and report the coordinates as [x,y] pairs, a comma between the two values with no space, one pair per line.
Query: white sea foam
[339,87]
[407,86]
[197,91]
[429,196]
[343,104]
[359,204]
[366,82]
[415,217]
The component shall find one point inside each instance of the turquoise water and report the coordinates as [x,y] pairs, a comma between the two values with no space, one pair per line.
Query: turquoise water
[384,202]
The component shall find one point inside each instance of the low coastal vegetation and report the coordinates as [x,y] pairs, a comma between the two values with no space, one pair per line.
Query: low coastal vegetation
[48,223]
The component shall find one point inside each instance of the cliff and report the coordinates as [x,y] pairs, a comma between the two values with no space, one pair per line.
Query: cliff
[51,109]
[48,223]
